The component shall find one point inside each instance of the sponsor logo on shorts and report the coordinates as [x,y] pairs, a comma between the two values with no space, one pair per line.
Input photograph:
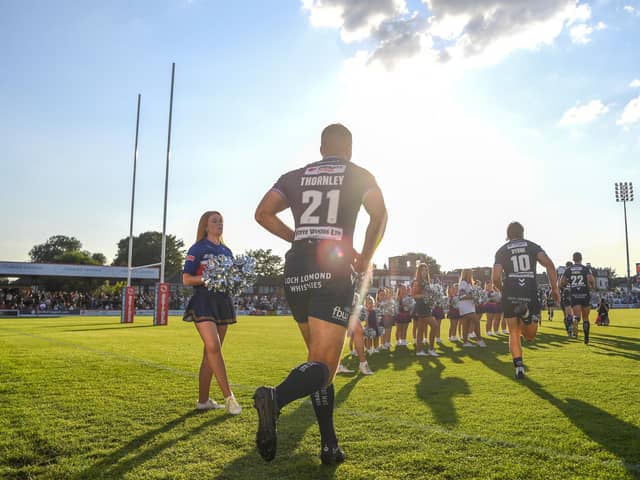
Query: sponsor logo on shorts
[340,314]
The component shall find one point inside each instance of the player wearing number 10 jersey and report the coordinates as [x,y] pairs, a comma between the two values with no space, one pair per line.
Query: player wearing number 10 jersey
[324,198]
[514,272]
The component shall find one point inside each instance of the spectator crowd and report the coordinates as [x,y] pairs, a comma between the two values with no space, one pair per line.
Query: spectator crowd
[32,300]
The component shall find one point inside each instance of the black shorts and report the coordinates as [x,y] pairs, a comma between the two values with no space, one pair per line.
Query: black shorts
[319,282]
[207,306]
[580,301]
[510,301]
[422,309]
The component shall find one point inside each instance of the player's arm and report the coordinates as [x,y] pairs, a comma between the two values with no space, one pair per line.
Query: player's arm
[496,277]
[564,279]
[373,203]
[547,263]
[267,215]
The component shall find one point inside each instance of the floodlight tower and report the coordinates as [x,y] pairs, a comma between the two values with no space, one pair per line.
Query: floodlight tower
[624,194]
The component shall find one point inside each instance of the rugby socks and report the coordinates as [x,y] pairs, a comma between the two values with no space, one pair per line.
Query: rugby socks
[323,401]
[517,362]
[302,381]
[585,328]
[568,323]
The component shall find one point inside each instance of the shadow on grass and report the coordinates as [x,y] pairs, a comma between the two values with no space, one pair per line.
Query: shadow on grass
[291,430]
[620,438]
[142,448]
[438,392]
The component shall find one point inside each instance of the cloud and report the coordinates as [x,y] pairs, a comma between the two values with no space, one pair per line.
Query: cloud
[631,113]
[445,30]
[631,10]
[635,83]
[583,113]
[581,33]
[356,18]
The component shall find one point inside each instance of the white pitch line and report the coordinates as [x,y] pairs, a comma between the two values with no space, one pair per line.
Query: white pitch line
[357,413]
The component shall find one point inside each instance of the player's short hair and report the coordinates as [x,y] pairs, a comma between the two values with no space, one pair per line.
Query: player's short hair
[577,257]
[568,264]
[515,230]
[335,134]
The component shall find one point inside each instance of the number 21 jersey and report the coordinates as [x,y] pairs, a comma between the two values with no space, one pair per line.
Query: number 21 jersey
[325,198]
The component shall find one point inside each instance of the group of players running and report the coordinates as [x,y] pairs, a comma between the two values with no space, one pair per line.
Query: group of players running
[413,303]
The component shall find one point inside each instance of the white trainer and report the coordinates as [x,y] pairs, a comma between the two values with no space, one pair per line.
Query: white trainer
[453,339]
[472,335]
[208,405]
[439,340]
[421,353]
[491,334]
[506,332]
[232,405]
[433,353]
[343,369]
[364,368]
[481,343]
[467,344]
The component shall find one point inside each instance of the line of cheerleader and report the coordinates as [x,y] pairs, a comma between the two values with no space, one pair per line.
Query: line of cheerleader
[424,304]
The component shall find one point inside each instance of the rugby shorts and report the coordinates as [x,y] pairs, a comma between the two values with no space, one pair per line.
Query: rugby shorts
[319,282]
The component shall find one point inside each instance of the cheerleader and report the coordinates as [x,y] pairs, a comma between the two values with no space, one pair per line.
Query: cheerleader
[373,329]
[388,309]
[211,312]
[493,308]
[355,333]
[403,316]
[423,313]
[453,313]
[438,314]
[467,309]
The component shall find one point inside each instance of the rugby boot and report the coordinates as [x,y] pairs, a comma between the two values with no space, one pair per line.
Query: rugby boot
[519,373]
[264,401]
[332,455]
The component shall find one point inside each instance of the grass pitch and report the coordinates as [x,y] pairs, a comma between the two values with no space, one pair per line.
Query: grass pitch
[86,397]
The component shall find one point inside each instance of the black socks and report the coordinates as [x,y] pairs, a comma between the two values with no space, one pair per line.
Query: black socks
[323,401]
[517,362]
[302,381]
[585,328]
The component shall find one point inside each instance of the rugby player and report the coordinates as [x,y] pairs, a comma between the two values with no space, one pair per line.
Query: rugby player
[514,273]
[580,281]
[565,304]
[324,198]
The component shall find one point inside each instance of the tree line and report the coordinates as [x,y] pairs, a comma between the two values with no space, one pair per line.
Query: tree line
[146,249]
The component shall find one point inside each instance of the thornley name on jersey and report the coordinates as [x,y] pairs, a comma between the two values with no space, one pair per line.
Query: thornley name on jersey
[321,180]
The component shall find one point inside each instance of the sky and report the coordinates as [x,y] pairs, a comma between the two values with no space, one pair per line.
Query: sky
[470,113]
